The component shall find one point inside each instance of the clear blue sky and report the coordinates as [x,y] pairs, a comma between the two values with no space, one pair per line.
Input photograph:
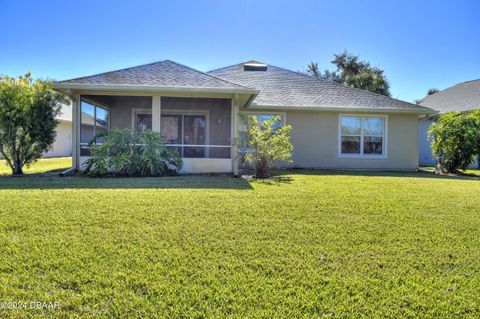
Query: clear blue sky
[420,44]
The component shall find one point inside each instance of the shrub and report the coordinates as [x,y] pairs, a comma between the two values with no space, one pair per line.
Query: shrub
[125,152]
[27,119]
[266,144]
[455,140]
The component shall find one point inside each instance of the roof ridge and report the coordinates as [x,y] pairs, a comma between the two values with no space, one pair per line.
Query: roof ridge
[153,63]
[225,67]
[118,70]
[446,90]
[210,75]
[347,86]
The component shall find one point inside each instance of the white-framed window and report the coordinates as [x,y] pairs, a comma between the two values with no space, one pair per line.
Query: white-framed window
[362,136]
[261,117]
[186,131]
[142,120]
[245,120]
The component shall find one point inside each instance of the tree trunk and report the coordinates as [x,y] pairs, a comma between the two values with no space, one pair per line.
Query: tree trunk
[17,171]
[17,168]
[261,169]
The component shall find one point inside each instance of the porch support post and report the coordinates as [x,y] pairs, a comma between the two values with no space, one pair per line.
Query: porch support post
[156,110]
[235,119]
[76,110]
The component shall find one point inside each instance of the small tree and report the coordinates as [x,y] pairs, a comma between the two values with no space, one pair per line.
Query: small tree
[267,143]
[27,119]
[455,139]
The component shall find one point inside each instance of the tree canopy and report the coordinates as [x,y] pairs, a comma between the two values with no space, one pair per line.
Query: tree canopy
[455,139]
[27,119]
[352,71]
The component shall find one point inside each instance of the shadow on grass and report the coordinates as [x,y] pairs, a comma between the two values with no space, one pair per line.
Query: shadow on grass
[373,173]
[277,179]
[54,181]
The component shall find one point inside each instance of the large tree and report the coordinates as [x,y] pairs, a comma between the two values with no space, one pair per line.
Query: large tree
[352,71]
[27,119]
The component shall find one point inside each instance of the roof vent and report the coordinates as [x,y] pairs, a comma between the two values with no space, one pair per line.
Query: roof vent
[254,66]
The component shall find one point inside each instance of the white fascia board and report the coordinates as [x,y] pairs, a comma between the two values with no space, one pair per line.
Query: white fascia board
[150,88]
[340,109]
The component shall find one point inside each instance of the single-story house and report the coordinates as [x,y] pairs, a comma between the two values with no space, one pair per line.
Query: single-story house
[198,113]
[461,97]
[62,147]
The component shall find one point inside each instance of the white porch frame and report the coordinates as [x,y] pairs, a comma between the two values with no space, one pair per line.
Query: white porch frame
[191,165]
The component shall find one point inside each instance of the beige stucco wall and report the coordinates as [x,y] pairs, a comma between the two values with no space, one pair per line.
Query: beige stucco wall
[122,107]
[315,141]
[63,141]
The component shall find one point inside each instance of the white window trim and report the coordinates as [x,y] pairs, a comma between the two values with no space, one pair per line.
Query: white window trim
[361,155]
[283,115]
[135,112]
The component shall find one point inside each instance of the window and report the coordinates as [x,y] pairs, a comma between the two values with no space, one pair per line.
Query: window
[143,121]
[184,131]
[94,119]
[260,119]
[362,136]
[246,120]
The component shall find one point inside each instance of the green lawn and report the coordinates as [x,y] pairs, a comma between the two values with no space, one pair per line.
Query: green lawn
[311,244]
[43,165]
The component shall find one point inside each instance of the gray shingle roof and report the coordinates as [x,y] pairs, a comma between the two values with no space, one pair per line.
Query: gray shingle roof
[165,73]
[461,97]
[284,88]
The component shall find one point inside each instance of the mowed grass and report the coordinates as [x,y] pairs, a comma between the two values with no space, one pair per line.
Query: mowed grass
[43,165]
[312,244]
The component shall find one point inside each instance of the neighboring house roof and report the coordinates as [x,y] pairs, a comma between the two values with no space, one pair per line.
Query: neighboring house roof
[65,113]
[284,88]
[164,74]
[461,97]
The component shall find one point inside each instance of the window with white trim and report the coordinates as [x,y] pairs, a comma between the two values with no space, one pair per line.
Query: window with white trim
[246,120]
[362,136]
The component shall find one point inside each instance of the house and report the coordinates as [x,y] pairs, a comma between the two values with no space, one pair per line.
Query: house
[62,147]
[460,98]
[197,113]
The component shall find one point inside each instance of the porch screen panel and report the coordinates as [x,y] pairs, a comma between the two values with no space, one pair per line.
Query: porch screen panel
[143,122]
[171,130]
[101,122]
[94,120]
[194,134]
[87,118]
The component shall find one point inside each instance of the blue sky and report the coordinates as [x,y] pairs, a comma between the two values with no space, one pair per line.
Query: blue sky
[420,44]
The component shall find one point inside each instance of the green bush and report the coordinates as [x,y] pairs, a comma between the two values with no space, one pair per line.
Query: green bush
[455,140]
[125,152]
[266,143]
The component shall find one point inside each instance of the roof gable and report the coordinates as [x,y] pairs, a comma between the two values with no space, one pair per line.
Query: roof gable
[165,73]
[284,88]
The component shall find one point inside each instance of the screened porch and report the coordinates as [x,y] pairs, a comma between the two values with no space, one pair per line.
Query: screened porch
[200,129]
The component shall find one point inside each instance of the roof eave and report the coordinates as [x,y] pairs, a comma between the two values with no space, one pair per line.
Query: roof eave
[67,87]
[342,109]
